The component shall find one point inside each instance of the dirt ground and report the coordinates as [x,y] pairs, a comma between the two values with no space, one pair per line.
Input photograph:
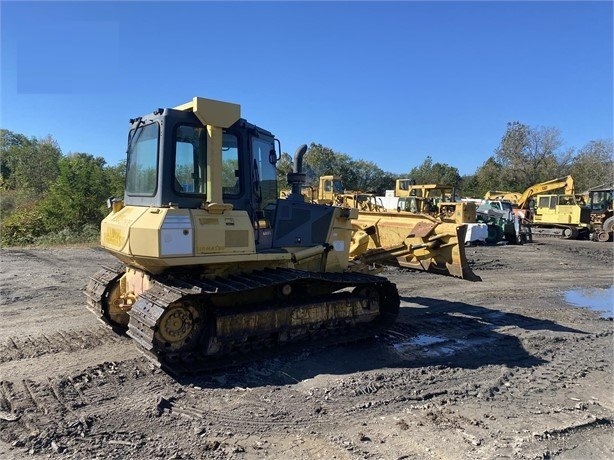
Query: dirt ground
[503,368]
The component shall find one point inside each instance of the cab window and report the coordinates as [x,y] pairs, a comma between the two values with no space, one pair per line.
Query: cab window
[264,171]
[142,167]
[190,160]
[230,165]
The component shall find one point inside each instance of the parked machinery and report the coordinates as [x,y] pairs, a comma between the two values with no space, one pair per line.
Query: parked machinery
[503,224]
[497,195]
[554,214]
[434,200]
[212,262]
[433,243]
[330,191]
[559,215]
[600,200]
[541,213]
[565,182]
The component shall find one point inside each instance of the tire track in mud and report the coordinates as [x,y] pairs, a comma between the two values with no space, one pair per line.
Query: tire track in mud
[31,346]
[35,414]
[434,384]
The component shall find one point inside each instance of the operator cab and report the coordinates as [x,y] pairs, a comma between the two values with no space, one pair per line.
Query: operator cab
[167,164]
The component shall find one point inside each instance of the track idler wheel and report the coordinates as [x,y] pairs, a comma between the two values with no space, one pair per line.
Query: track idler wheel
[113,308]
[179,327]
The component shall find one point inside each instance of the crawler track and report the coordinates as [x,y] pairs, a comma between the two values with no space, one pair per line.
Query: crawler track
[186,324]
[97,291]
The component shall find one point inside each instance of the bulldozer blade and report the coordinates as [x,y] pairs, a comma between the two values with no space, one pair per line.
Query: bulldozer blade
[414,241]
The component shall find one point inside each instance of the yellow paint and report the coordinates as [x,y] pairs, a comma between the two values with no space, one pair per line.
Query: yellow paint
[212,112]
[112,237]
[207,249]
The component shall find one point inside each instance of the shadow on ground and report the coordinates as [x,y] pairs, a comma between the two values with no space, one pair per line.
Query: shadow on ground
[430,332]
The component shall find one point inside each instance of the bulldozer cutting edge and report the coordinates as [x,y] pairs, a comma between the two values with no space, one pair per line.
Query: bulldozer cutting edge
[415,241]
[214,264]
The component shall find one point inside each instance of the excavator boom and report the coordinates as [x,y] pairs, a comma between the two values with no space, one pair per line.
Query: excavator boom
[543,187]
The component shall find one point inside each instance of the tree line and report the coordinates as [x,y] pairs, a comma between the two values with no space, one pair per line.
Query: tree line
[525,156]
[49,198]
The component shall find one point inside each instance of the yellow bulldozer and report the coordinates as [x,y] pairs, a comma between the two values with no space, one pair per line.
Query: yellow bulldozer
[433,243]
[435,200]
[212,263]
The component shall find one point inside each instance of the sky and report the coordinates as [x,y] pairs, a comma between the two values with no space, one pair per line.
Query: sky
[388,82]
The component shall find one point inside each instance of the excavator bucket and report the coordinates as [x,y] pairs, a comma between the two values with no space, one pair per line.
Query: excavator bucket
[413,241]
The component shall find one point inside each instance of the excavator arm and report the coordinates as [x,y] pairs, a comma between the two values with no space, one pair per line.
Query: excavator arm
[543,187]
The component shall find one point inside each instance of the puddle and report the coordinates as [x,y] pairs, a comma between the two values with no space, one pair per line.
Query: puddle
[601,300]
[420,341]
[432,346]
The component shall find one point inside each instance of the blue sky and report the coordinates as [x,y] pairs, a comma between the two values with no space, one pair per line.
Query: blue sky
[390,82]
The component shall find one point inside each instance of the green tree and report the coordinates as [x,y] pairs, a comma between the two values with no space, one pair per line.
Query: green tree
[435,173]
[322,161]
[28,165]
[79,194]
[490,176]
[594,165]
[368,177]
[284,166]
[530,155]
[116,179]
[469,186]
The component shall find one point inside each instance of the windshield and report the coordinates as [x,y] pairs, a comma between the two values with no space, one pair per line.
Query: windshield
[142,167]
[601,200]
[338,186]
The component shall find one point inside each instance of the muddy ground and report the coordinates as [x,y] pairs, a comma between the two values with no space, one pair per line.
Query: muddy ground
[505,368]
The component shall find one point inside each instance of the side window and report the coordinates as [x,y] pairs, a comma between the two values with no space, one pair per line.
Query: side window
[190,160]
[544,202]
[267,174]
[230,165]
[553,201]
[328,186]
[142,168]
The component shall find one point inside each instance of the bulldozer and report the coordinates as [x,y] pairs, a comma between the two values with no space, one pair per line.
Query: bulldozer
[330,191]
[211,262]
[432,243]
[434,200]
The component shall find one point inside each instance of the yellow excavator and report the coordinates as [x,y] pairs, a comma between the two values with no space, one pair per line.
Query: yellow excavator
[498,195]
[212,263]
[565,182]
[520,200]
[562,215]
[554,214]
